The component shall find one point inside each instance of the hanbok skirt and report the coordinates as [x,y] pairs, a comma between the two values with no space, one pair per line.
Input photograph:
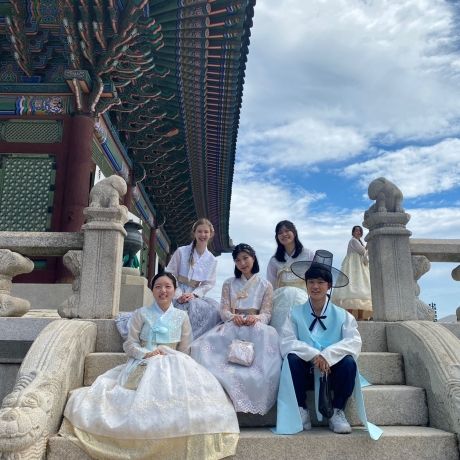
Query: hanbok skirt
[178,411]
[283,299]
[357,294]
[203,313]
[252,389]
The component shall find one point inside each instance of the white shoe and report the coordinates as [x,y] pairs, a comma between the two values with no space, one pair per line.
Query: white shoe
[305,416]
[338,423]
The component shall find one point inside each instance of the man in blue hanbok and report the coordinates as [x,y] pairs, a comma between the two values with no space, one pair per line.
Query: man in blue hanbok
[319,337]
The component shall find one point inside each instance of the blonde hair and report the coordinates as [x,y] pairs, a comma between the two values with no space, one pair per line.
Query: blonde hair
[201,221]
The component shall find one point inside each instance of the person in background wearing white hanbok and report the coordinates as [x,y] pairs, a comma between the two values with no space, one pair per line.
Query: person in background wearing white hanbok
[195,268]
[246,309]
[161,404]
[289,290]
[356,297]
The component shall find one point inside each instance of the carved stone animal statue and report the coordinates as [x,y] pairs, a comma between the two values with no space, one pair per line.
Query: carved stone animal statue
[107,193]
[387,196]
[24,413]
[54,365]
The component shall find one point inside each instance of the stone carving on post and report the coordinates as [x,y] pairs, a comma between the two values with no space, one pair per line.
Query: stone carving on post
[390,262]
[388,197]
[420,266]
[12,264]
[107,193]
[72,261]
[104,234]
[53,366]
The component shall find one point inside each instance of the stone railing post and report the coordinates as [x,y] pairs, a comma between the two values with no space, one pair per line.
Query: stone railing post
[390,262]
[12,264]
[420,266]
[101,261]
[72,261]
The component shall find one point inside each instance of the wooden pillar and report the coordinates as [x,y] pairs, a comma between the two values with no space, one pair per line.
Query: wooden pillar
[152,254]
[79,170]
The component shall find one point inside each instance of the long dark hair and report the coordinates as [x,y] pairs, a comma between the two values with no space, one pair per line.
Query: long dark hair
[362,232]
[243,247]
[168,275]
[280,251]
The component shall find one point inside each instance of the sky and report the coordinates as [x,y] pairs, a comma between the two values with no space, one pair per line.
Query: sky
[336,94]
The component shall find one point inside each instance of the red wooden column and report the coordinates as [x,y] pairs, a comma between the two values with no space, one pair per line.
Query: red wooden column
[152,254]
[79,170]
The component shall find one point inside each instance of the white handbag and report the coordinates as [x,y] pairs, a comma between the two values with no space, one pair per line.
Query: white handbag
[241,352]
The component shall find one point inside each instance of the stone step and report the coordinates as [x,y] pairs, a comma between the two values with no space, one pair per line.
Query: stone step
[109,340]
[385,405]
[380,368]
[407,442]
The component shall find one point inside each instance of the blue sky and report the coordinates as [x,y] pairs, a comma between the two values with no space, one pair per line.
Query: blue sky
[337,93]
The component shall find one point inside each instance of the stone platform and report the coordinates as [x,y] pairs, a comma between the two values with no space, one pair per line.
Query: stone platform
[408,443]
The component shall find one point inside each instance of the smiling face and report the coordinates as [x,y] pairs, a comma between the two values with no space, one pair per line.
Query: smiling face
[285,236]
[244,263]
[357,232]
[163,291]
[202,234]
[317,289]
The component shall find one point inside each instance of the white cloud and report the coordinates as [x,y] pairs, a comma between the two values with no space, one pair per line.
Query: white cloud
[352,68]
[324,81]
[417,171]
[301,142]
[258,205]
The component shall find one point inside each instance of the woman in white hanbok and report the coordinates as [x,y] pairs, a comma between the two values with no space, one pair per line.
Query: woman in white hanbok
[161,404]
[289,289]
[245,309]
[195,268]
[356,297]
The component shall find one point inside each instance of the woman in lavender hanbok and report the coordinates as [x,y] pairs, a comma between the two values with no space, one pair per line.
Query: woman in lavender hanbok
[245,309]
[195,269]
[161,403]
[288,289]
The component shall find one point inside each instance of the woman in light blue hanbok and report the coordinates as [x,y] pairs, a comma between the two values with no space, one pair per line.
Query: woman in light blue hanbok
[245,309]
[161,404]
[289,290]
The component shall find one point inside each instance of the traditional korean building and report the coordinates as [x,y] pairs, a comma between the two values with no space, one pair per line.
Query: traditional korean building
[148,90]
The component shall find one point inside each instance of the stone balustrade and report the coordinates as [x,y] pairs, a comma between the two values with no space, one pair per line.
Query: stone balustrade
[41,244]
[94,256]
[438,250]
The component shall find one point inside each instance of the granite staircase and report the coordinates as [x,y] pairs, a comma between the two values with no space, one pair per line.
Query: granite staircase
[399,409]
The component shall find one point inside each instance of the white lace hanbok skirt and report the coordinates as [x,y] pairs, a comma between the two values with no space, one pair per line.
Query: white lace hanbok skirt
[203,313]
[179,410]
[283,299]
[357,294]
[252,389]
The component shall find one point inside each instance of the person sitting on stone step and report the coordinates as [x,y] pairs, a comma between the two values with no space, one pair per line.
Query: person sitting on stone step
[319,337]
[195,268]
[161,403]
